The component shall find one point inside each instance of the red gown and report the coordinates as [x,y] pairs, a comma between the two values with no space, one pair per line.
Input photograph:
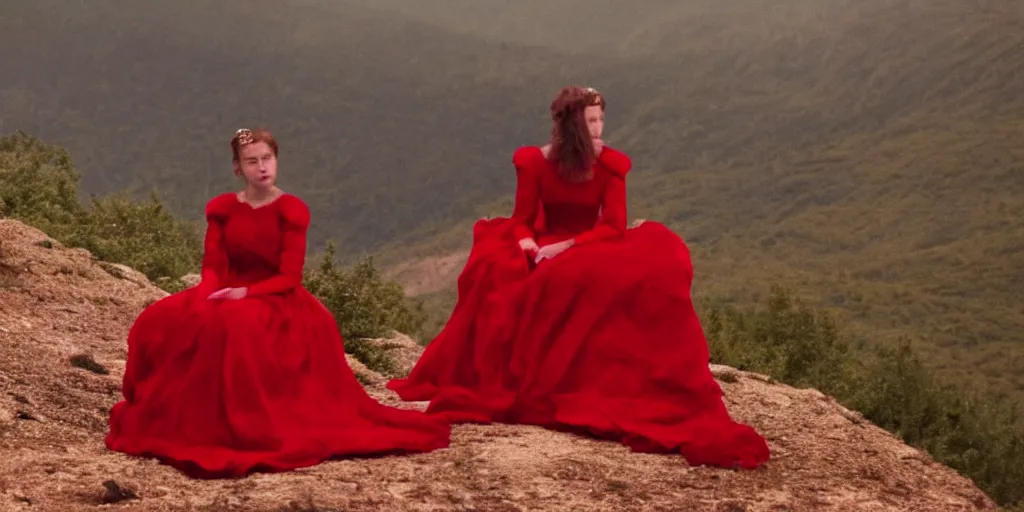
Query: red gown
[603,339]
[221,388]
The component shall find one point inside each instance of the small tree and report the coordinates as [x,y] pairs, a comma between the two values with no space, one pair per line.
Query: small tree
[141,234]
[366,306]
[966,430]
[38,184]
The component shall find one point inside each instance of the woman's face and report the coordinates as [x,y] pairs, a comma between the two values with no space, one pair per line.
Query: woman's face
[257,164]
[594,117]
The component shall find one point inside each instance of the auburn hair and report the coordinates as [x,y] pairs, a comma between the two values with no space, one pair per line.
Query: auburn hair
[572,150]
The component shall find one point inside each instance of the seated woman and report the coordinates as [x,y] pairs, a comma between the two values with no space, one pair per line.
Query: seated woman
[246,371]
[568,320]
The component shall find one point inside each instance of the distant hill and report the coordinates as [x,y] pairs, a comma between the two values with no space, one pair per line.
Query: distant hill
[868,152]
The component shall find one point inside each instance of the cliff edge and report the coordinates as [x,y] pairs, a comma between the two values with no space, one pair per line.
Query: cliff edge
[63,321]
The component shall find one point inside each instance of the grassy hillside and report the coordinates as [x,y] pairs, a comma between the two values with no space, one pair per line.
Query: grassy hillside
[866,152]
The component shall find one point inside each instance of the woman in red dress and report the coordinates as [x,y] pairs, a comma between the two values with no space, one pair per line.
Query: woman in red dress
[568,320]
[246,371]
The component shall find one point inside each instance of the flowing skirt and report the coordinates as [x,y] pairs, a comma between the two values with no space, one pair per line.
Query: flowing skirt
[603,340]
[223,388]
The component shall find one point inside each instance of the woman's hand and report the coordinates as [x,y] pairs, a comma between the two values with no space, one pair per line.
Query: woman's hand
[550,251]
[229,293]
[529,245]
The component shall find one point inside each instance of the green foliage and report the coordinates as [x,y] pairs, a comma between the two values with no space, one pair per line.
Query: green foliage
[973,433]
[437,308]
[794,344]
[366,306]
[142,235]
[39,186]
[969,431]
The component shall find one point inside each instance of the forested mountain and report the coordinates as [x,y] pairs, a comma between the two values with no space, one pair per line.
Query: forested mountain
[867,152]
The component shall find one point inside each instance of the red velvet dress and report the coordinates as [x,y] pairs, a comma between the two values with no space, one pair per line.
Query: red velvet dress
[220,388]
[603,339]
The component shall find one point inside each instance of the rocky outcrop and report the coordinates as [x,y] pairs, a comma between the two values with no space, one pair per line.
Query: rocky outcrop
[63,321]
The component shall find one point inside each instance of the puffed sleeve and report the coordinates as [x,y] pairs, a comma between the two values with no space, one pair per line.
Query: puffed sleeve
[527,201]
[215,260]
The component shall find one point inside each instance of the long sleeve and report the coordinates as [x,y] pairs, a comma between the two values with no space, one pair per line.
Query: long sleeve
[215,260]
[613,205]
[296,219]
[527,201]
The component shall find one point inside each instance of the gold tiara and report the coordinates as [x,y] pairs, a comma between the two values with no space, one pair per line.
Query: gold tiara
[244,136]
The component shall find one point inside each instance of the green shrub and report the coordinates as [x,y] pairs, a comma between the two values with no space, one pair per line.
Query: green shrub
[143,235]
[791,343]
[39,186]
[963,429]
[366,306]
